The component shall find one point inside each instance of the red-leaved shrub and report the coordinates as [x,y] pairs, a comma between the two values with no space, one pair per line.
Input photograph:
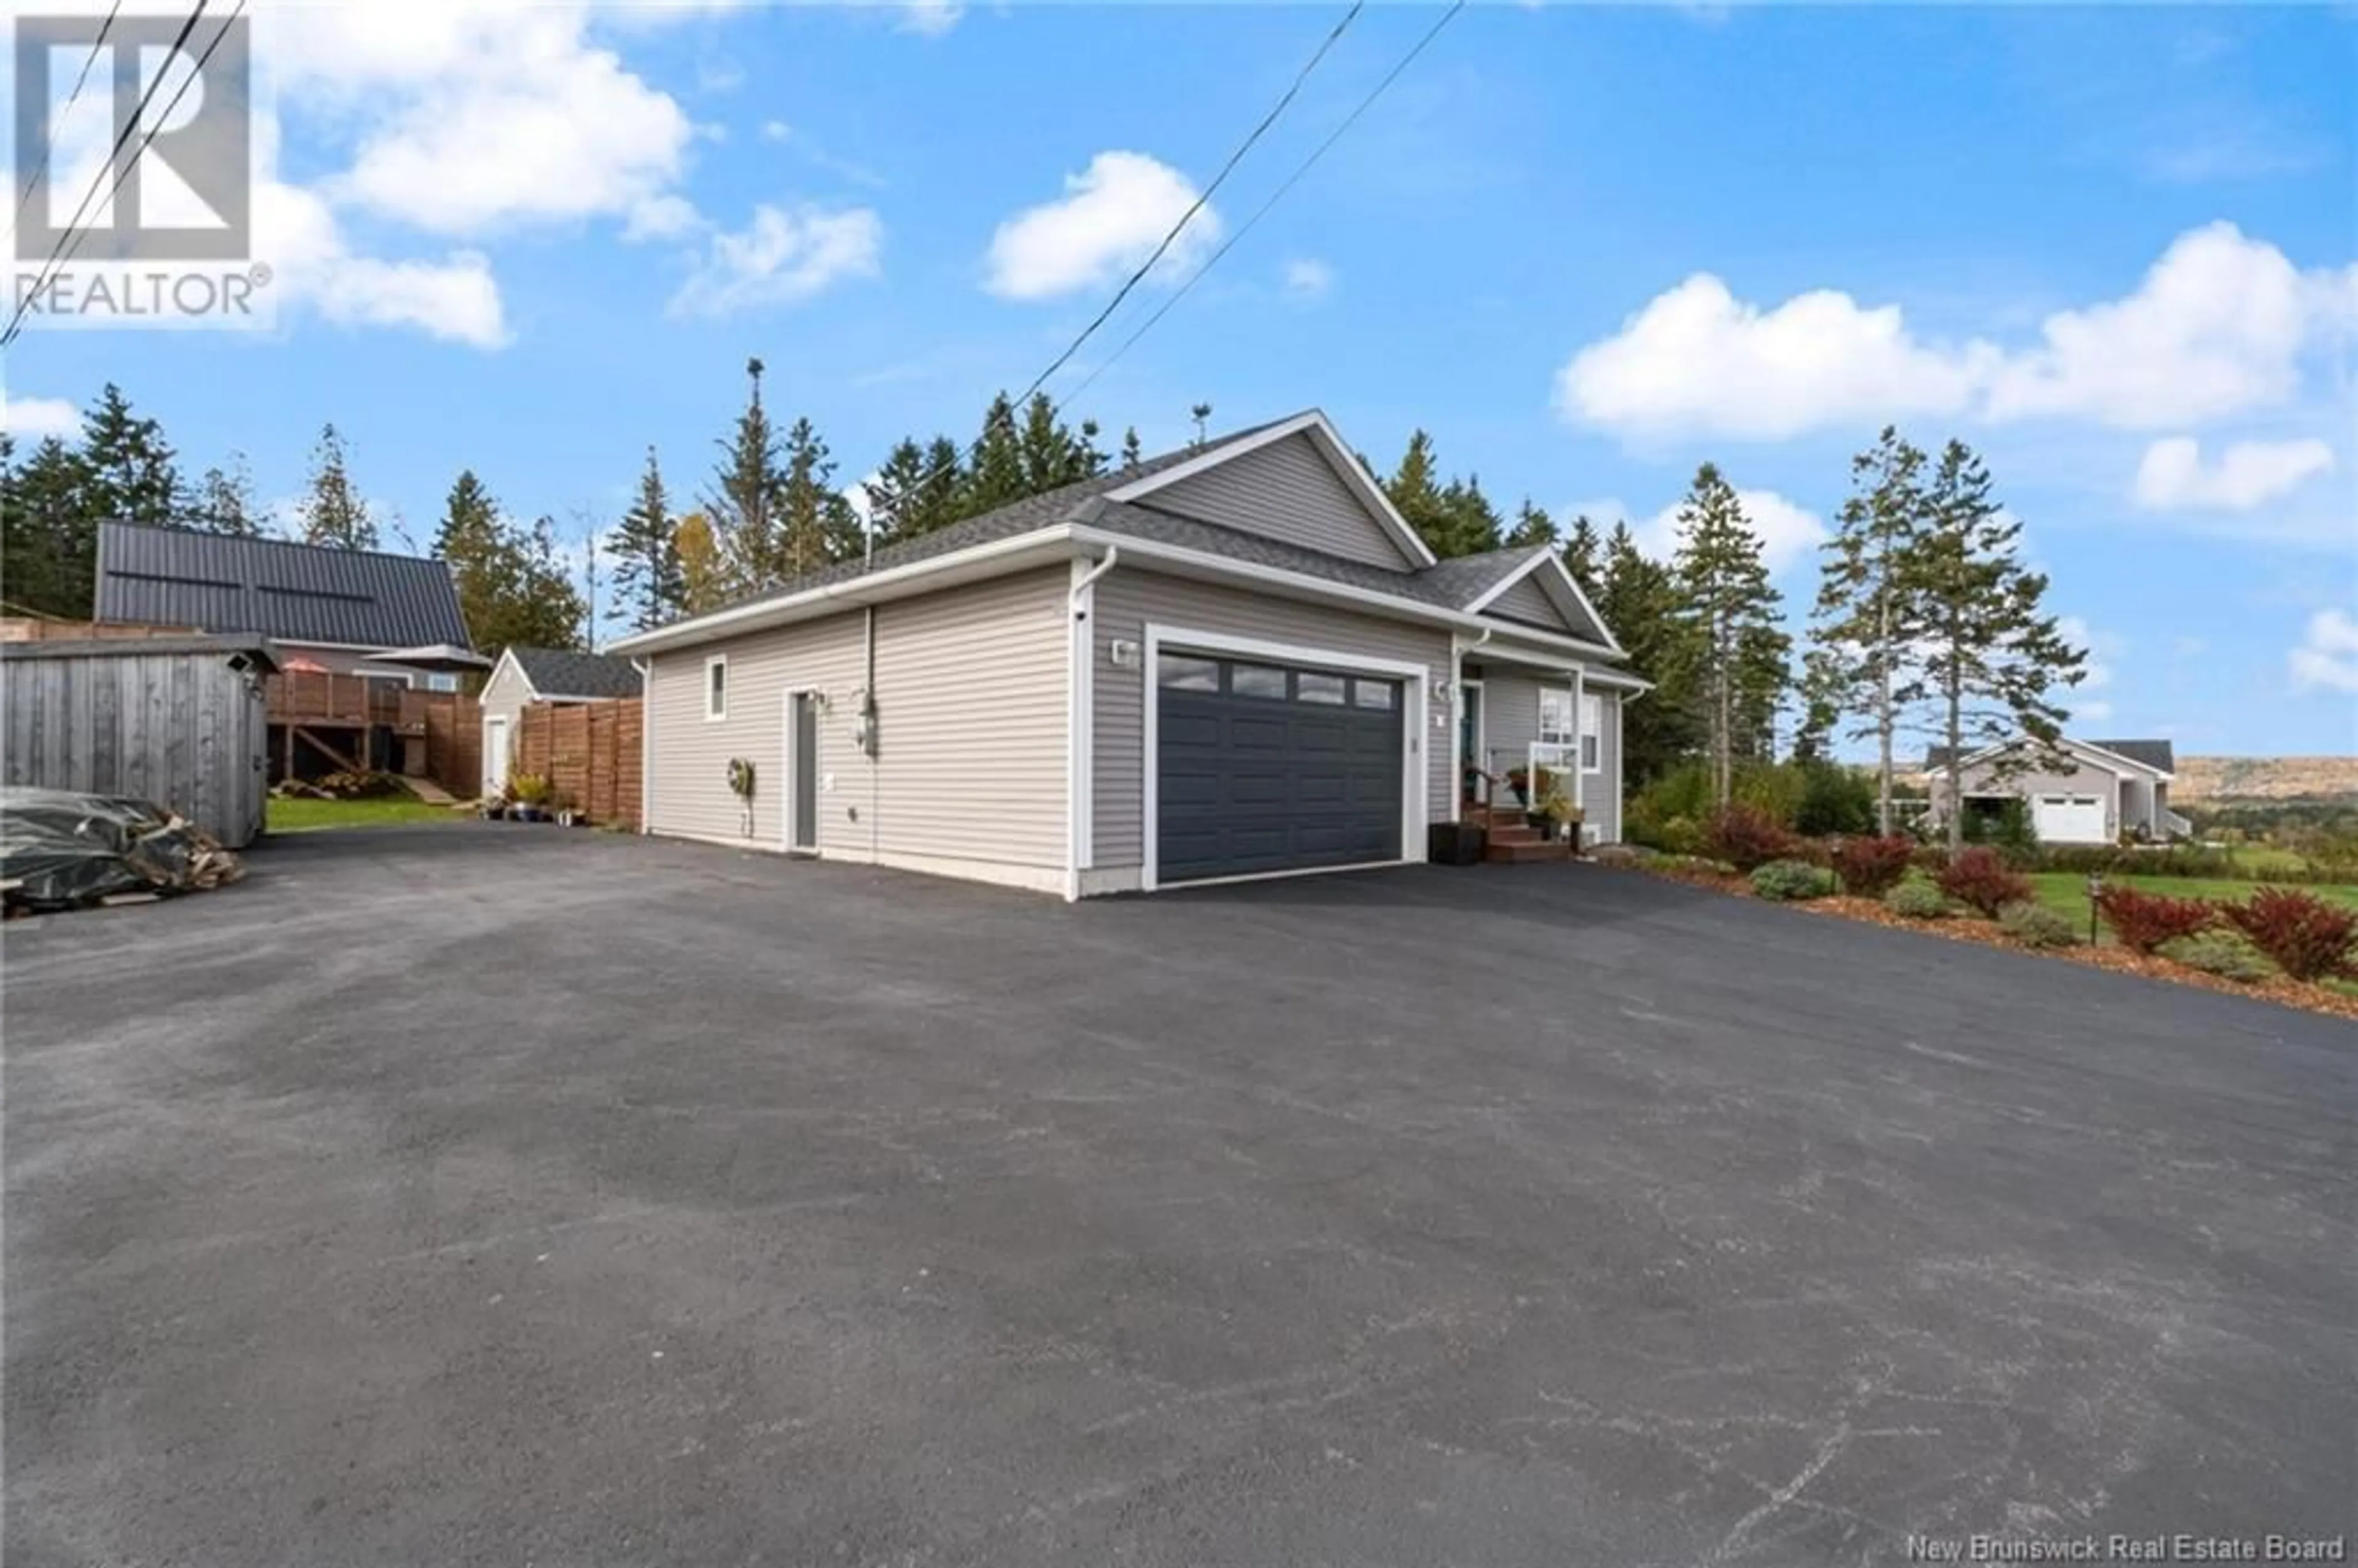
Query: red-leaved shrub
[1980,879]
[1747,838]
[2144,921]
[1873,867]
[2307,936]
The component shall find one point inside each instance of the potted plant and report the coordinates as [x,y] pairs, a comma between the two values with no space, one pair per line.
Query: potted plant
[1563,815]
[1519,782]
[528,795]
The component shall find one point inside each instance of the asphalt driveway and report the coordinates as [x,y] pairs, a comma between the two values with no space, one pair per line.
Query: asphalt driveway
[503,1196]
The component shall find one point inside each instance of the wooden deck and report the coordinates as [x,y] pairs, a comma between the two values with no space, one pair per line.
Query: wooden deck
[319,701]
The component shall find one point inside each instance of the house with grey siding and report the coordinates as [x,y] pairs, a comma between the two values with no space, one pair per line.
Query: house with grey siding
[2077,792]
[1232,661]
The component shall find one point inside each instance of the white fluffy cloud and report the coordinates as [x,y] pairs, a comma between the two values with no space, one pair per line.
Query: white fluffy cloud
[1790,533]
[1112,215]
[781,257]
[930,18]
[2327,658]
[2248,474]
[1307,279]
[33,418]
[2218,326]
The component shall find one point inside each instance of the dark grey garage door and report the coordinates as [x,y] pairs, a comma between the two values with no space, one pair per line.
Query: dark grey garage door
[1266,768]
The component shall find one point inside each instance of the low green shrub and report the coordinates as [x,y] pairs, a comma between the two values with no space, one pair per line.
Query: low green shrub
[2227,953]
[1786,880]
[2035,925]
[1835,800]
[1916,901]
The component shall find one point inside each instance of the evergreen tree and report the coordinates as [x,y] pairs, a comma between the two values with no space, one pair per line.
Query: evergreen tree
[996,475]
[1532,526]
[1986,655]
[647,586]
[514,585]
[225,502]
[1132,454]
[738,509]
[703,571]
[1201,414]
[1639,599]
[817,525]
[1730,650]
[1414,488]
[1583,559]
[1052,455]
[546,610]
[917,490]
[1470,523]
[1867,614]
[49,542]
[331,509]
[130,473]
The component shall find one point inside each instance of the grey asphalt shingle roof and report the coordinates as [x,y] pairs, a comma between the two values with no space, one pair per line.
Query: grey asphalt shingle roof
[272,587]
[561,671]
[2152,753]
[1452,584]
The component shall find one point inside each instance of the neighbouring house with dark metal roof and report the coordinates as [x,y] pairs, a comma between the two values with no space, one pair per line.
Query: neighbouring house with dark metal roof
[527,676]
[327,610]
[2077,792]
[1233,660]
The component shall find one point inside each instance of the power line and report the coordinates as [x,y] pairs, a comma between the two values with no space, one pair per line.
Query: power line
[70,240]
[48,152]
[1291,180]
[1197,205]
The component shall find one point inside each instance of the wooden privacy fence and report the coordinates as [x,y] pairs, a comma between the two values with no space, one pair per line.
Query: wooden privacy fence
[588,751]
[453,728]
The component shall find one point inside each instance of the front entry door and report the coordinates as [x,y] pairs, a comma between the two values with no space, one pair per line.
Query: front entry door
[805,834]
[1469,743]
[495,756]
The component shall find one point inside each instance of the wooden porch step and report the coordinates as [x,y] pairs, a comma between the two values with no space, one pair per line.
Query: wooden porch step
[1515,853]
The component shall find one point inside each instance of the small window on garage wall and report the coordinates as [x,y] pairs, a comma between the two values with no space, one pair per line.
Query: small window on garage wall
[1328,689]
[1181,673]
[716,687]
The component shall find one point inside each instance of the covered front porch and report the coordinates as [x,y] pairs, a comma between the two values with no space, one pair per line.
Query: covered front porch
[1530,729]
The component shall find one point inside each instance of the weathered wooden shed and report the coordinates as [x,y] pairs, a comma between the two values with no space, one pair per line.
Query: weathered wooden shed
[178,720]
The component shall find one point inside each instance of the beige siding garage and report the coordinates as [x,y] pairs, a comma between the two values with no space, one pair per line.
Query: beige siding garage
[969,764]
[971,693]
[688,787]
[1128,600]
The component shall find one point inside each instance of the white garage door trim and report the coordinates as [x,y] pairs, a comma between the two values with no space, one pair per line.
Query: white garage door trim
[1411,677]
[2073,811]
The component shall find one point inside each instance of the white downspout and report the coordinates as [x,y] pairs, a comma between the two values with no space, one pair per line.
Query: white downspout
[1457,722]
[1080,729]
[646,668]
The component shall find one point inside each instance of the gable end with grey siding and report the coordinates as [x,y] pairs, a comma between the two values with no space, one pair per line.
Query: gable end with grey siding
[1286,490]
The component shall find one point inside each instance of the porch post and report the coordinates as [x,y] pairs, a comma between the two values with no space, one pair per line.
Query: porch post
[1456,728]
[1579,774]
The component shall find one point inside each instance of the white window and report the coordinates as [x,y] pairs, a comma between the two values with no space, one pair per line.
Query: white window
[1555,718]
[1591,732]
[716,687]
[442,680]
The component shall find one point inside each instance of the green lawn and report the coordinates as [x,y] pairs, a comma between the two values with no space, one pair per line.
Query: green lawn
[2067,891]
[311,816]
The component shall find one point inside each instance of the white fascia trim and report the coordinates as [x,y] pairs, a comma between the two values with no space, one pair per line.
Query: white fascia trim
[851,592]
[1414,678]
[1339,457]
[507,656]
[1546,555]
[1147,552]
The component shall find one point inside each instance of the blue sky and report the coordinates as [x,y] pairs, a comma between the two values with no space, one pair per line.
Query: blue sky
[2117,249]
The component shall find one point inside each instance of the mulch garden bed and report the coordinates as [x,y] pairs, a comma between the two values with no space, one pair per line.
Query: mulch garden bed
[1966,928]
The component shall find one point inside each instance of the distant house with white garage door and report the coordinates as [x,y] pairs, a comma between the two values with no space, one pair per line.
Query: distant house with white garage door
[2085,791]
[1231,661]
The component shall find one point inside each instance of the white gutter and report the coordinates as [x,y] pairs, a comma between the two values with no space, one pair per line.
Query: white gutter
[1080,727]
